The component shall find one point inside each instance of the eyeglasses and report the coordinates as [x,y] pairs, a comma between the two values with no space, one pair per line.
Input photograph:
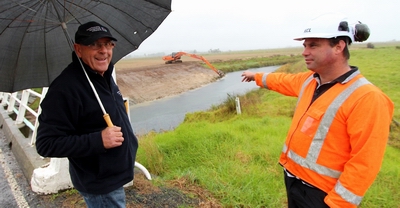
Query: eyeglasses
[98,45]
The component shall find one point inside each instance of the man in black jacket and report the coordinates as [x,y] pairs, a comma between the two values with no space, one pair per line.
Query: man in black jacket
[101,158]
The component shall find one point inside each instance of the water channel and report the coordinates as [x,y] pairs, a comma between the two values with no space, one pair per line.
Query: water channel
[167,113]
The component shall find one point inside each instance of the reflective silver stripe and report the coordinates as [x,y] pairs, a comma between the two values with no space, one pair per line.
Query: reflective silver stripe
[264,80]
[284,149]
[351,76]
[309,164]
[308,80]
[347,195]
[323,128]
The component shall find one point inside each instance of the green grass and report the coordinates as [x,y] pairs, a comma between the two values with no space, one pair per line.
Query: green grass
[235,157]
[385,190]
[235,179]
[257,62]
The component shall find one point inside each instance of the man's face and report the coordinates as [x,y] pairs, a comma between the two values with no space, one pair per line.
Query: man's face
[318,54]
[97,55]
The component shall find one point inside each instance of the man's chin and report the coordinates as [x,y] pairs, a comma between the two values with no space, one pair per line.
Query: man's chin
[309,66]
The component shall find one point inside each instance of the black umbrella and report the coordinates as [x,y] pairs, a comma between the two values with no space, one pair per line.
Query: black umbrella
[36,42]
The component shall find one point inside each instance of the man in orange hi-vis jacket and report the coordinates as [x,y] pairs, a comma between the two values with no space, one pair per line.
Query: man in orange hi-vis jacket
[336,143]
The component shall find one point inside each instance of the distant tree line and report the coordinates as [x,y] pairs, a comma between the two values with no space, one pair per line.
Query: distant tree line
[214,51]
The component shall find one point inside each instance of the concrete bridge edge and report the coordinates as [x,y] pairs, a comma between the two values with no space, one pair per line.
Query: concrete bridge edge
[45,176]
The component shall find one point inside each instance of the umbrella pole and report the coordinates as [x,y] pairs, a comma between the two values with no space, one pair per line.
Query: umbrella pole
[105,114]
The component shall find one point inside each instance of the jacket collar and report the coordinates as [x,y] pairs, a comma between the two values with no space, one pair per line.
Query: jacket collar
[343,79]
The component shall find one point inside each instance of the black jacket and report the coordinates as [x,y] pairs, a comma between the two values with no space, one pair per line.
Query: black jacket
[70,125]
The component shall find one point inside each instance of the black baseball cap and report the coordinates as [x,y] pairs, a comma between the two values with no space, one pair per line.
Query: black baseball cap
[89,32]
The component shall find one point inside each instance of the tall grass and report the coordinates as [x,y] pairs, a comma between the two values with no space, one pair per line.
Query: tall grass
[235,157]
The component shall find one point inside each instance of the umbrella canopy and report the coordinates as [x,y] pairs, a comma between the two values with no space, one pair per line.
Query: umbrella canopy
[36,36]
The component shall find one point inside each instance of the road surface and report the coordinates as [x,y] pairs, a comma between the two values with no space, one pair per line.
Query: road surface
[14,187]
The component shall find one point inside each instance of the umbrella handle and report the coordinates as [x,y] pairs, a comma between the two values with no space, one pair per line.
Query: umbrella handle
[108,120]
[126,103]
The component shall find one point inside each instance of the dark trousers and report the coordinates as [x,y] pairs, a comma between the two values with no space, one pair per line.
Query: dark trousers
[300,195]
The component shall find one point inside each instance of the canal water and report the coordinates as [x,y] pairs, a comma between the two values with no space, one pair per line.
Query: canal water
[167,113]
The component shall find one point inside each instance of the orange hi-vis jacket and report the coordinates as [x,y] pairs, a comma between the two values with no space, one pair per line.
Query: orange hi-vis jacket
[337,143]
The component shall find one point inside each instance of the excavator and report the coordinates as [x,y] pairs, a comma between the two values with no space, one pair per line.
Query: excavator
[176,58]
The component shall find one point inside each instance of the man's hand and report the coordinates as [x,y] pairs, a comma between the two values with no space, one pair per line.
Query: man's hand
[112,137]
[248,76]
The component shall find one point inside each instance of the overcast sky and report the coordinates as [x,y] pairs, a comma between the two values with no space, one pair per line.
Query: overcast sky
[226,25]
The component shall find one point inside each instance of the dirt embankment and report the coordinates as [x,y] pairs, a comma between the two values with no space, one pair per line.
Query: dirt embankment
[146,82]
[147,79]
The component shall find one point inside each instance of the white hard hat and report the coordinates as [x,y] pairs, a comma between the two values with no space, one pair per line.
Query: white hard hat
[328,26]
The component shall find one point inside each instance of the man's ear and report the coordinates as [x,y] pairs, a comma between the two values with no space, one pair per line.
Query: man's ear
[340,46]
[77,49]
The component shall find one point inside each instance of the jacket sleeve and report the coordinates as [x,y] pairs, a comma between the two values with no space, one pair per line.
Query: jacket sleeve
[284,83]
[57,134]
[368,128]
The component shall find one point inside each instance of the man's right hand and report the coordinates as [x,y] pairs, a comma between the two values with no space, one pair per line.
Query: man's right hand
[248,76]
[112,137]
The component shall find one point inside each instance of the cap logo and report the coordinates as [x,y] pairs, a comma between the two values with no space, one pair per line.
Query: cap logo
[97,29]
[307,30]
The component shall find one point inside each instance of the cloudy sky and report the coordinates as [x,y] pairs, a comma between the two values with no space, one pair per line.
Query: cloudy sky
[226,25]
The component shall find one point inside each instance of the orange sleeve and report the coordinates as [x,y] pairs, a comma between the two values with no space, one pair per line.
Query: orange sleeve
[284,83]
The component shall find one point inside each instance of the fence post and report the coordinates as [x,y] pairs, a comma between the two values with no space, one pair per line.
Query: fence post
[44,92]
[11,103]
[22,108]
[4,100]
[238,110]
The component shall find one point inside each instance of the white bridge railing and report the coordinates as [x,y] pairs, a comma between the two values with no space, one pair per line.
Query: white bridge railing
[55,176]
[18,103]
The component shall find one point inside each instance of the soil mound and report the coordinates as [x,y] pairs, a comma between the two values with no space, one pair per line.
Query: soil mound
[148,83]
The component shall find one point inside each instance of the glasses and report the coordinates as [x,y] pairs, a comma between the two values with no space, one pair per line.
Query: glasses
[98,45]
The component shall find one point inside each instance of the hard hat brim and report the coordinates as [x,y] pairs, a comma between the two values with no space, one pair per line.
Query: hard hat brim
[322,35]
